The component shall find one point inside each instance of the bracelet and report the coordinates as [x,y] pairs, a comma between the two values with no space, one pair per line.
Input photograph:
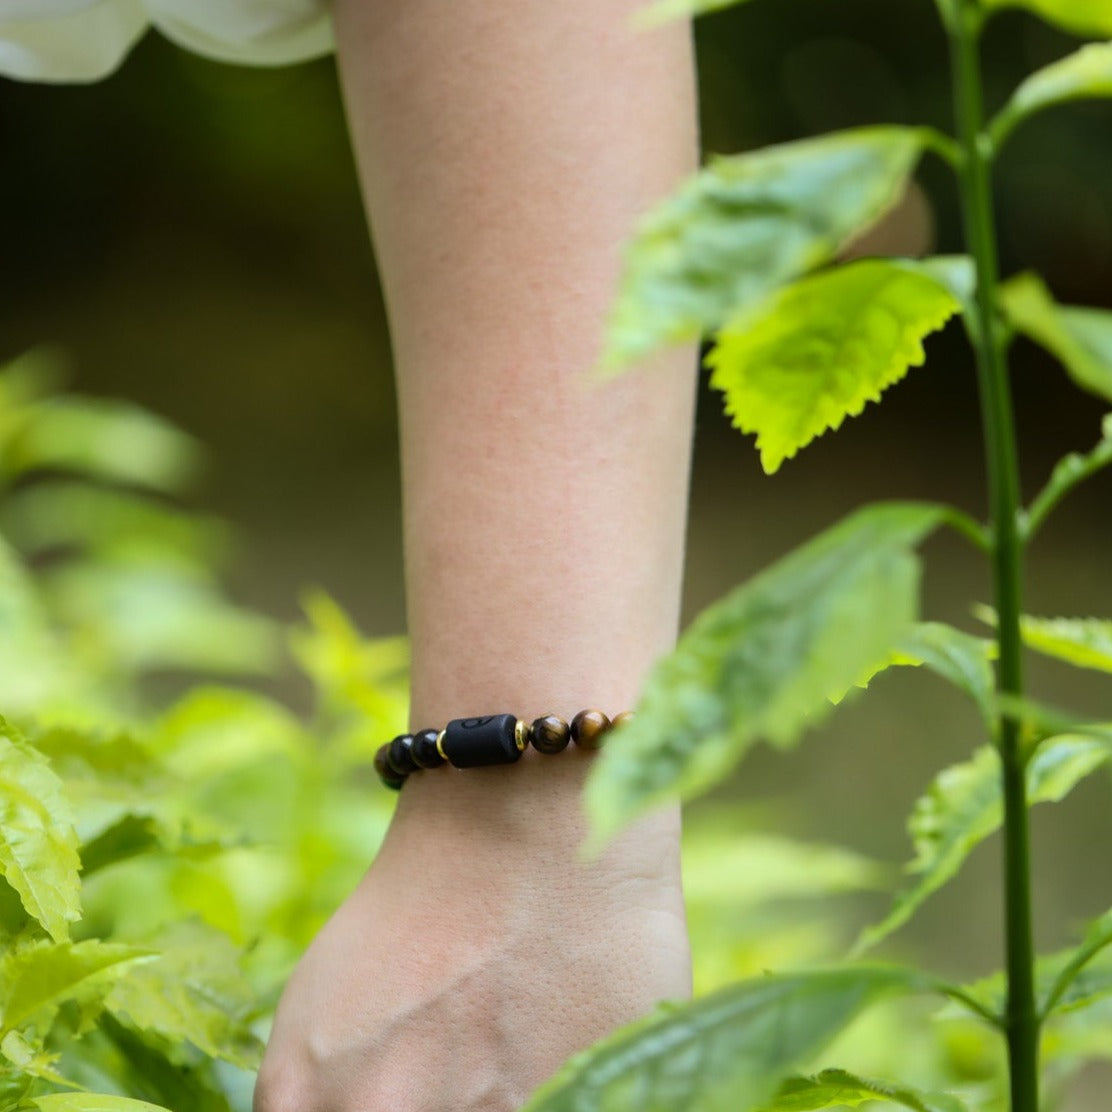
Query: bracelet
[491,740]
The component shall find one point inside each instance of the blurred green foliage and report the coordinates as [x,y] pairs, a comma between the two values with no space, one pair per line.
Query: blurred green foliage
[167,863]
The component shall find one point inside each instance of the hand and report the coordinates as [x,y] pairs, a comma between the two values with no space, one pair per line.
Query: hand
[478,953]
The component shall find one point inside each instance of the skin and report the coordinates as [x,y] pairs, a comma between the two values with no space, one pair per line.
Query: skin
[506,153]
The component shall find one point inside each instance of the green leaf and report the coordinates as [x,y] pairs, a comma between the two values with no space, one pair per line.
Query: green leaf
[1079,338]
[1080,17]
[38,975]
[38,843]
[758,868]
[761,662]
[811,354]
[724,1052]
[29,1056]
[664,10]
[1085,74]
[964,805]
[835,1088]
[14,1087]
[746,224]
[193,991]
[349,671]
[1069,471]
[1075,978]
[1067,981]
[33,667]
[956,656]
[146,613]
[112,440]
[92,1102]
[1084,642]
[107,522]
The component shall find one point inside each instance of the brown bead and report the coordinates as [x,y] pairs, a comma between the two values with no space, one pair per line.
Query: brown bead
[588,728]
[550,734]
[621,719]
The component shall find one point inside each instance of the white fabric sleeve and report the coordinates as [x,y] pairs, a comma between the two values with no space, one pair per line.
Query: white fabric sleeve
[84,40]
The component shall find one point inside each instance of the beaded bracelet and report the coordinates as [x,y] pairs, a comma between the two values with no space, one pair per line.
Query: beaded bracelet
[492,740]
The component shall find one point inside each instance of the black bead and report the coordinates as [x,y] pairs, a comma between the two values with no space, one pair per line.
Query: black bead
[400,756]
[385,773]
[476,742]
[424,751]
[550,734]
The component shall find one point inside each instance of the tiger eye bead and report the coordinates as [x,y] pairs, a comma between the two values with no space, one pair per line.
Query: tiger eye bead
[621,719]
[424,751]
[385,773]
[550,734]
[400,755]
[588,728]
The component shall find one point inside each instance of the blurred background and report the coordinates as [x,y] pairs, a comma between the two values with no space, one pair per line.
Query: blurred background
[189,235]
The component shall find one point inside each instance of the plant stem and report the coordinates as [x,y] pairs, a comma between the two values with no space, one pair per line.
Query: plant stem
[1021,1020]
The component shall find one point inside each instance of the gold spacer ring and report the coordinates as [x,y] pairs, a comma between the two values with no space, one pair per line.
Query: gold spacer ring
[440,744]
[521,735]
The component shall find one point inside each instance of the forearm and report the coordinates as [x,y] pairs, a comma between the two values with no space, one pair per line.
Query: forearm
[544,514]
[506,152]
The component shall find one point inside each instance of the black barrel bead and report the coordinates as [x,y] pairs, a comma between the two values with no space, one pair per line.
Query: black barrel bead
[588,728]
[385,773]
[400,757]
[477,742]
[424,751]
[550,734]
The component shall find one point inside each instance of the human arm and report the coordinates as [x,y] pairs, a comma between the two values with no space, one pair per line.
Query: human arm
[505,153]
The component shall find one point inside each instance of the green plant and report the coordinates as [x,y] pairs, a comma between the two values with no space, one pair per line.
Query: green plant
[747,251]
[163,866]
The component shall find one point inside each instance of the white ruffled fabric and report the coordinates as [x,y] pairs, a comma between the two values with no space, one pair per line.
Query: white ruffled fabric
[84,40]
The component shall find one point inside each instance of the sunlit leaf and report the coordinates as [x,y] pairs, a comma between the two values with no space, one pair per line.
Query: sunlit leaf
[835,1088]
[1079,338]
[1081,17]
[956,273]
[38,975]
[746,224]
[724,1052]
[212,729]
[761,663]
[1085,74]
[109,777]
[147,614]
[31,1058]
[813,353]
[663,10]
[1085,642]
[38,843]
[112,440]
[193,991]
[92,1102]
[964,805]
[351,672]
